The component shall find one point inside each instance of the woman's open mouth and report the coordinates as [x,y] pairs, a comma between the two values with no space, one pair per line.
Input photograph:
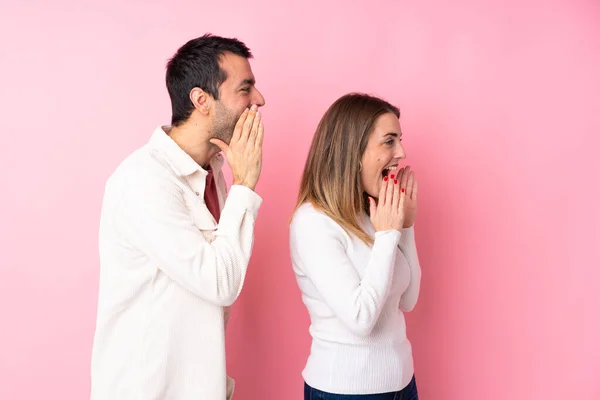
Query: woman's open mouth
[387,170]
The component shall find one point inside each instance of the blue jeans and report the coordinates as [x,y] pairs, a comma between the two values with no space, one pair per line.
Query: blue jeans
[408,393]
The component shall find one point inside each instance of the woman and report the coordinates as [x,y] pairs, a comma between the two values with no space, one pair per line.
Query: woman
[354,254]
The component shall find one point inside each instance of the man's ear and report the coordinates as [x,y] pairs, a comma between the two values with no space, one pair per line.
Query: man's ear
[201,100]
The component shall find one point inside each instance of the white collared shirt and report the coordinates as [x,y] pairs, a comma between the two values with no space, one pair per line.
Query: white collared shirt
[167,273]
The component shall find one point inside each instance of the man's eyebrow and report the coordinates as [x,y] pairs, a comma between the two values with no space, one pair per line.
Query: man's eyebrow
[250,81]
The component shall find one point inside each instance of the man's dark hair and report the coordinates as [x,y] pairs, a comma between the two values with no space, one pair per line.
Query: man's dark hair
[196,64]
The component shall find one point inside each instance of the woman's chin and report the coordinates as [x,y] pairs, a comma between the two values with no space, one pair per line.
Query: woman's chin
[371,194]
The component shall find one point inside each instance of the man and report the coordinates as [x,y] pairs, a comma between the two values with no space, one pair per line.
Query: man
[174,246]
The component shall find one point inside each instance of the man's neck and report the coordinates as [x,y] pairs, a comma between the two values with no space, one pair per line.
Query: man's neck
[193,139]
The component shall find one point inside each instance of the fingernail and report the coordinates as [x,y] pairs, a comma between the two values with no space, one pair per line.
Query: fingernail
[254,107]
[402,190]
[392,176]
[246,110]
[385,178]
[258,114]
[396,181]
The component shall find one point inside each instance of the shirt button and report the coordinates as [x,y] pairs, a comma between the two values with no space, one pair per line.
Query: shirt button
[197,194]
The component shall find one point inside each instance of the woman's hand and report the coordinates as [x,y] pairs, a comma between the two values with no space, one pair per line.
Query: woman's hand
[408,183]
[388,212]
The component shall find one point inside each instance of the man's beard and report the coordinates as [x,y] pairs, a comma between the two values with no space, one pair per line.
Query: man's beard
[224,122]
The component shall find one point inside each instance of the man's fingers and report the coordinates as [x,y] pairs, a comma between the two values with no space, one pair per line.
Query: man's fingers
[220,144]
[261,134]
[254,129]
[248,124]
[237,131]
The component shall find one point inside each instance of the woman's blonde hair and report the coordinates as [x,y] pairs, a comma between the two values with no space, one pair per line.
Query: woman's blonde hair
[331,178]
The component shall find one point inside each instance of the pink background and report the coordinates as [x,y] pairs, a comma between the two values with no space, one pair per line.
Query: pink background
[501,116]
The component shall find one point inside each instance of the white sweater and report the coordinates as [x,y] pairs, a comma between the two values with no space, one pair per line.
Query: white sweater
[355,295]
[167,274]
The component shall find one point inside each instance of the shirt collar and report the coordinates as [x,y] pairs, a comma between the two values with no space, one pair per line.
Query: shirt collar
[179,160]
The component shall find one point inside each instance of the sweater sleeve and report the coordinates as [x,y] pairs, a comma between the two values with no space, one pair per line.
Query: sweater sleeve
[318,250]
[154,218]
[408,247]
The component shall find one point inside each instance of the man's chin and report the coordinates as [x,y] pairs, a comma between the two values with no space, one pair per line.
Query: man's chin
[226,138]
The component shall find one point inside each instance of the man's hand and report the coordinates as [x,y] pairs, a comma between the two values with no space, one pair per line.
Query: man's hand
[244,152]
